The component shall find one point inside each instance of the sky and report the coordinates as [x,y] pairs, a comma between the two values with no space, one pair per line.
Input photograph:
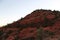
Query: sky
[12,10]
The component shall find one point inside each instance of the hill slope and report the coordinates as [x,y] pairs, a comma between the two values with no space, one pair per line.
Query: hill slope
[39,25]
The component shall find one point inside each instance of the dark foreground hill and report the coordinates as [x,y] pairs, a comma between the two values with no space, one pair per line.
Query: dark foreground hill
[39,25]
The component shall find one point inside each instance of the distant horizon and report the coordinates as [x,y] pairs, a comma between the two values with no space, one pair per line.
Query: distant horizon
[13,10]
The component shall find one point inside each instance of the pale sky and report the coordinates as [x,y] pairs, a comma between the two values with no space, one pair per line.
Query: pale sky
[12,10]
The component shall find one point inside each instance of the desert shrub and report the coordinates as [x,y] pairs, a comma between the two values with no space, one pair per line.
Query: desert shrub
[49,33]
[16,38]
[41,34]
[30,38]
[31,31]
[45,23]
[1,32]
[10,31]
[21,18]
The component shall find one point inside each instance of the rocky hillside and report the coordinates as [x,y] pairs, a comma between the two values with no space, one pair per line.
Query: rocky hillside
[38,25]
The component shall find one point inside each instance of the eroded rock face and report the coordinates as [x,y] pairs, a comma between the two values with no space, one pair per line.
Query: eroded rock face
[26,28]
